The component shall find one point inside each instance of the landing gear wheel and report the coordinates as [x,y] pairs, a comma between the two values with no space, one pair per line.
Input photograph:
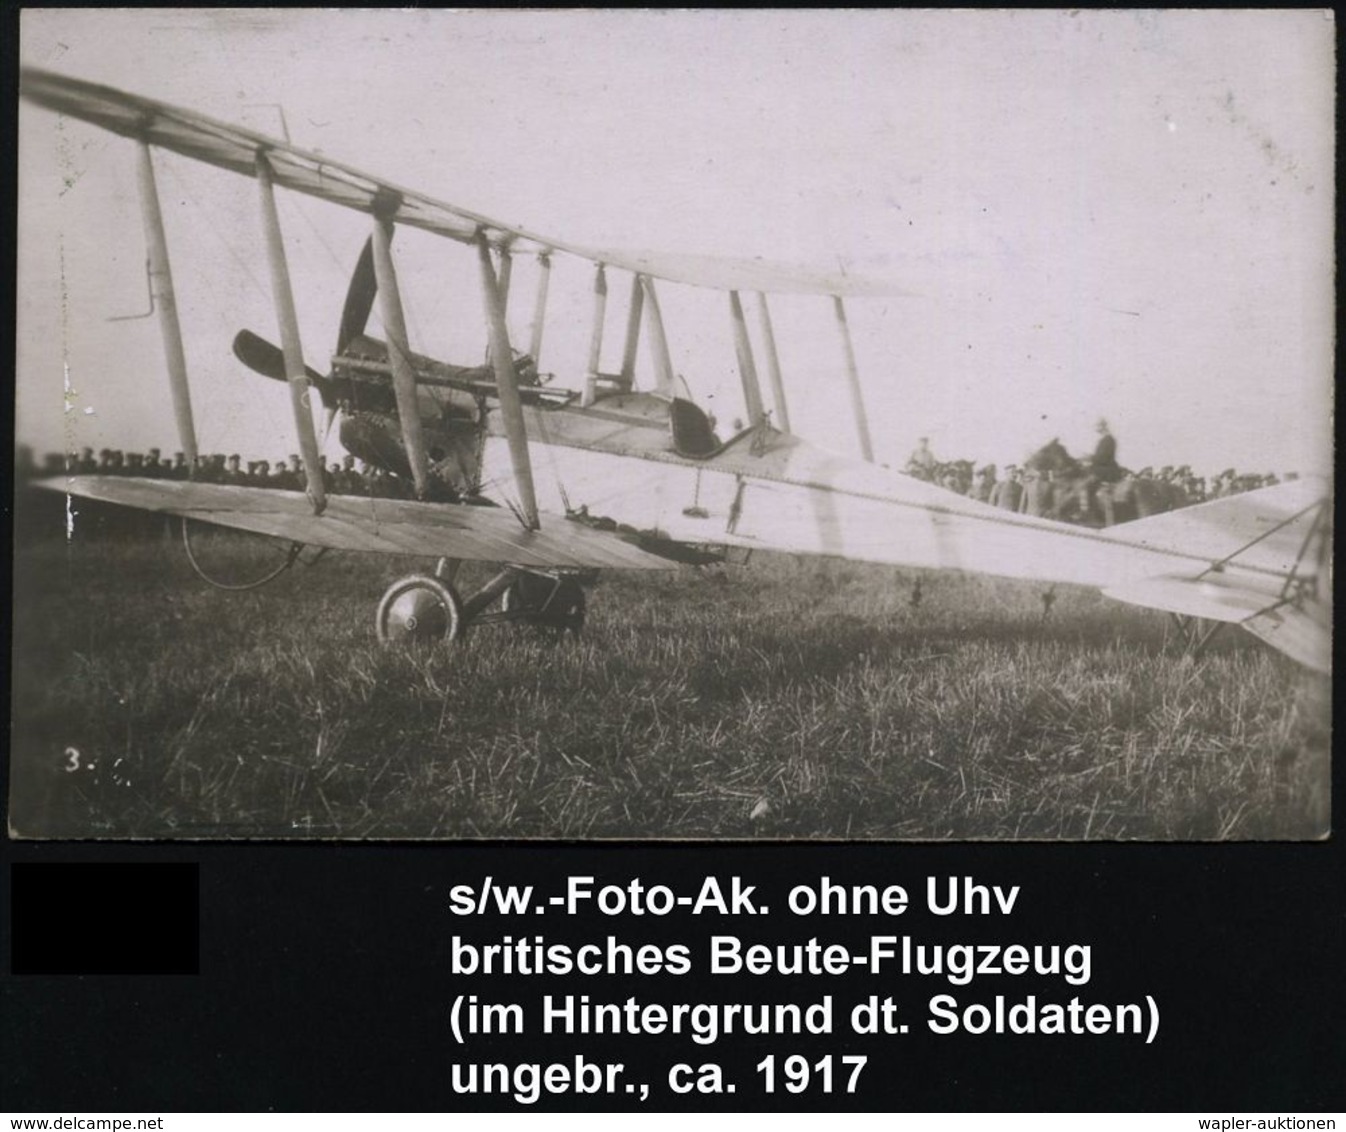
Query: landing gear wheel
[549,603]
[419,610]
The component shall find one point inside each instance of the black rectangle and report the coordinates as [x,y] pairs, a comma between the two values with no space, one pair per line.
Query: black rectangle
[104,919]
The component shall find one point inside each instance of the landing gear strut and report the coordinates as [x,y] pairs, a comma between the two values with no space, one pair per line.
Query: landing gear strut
[547,601]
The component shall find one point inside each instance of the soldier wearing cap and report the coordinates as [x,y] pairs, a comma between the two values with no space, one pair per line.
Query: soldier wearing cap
[1104,472]
[280,476]
[1009,492]
[985,485]
[921,463]
[344,476]
[232,473]
[1039,496]
[297,472]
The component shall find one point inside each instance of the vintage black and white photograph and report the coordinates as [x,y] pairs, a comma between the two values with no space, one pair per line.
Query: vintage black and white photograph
[674,425]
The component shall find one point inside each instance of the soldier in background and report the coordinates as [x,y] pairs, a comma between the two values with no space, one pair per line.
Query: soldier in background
[1104,472]
[349,479]
[281,478]
[1038,497]
[232,474]
[1009,492]
[985,485]
[1103,463]
[921,463]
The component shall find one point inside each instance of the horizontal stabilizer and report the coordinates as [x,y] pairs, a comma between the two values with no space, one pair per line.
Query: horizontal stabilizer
[1304,635]
[1212,596]
[382,526]
[1302,631]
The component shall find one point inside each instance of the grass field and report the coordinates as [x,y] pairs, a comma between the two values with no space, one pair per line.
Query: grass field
[782,698]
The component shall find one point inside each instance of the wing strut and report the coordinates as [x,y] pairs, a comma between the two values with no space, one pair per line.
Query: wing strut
[633,314]
[291,346]
[747,368]
[511,410]
[504,273]
[853,382]
[782,413]
[663,362]
[399,350]
[596,337]
[539,309]
[162,297]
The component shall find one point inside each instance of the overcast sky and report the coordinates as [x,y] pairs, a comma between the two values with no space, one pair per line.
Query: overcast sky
[1099,213]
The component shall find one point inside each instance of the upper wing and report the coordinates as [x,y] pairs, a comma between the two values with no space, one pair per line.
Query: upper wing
[234,148]
[387,526]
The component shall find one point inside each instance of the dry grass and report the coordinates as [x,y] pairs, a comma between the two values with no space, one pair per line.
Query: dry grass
[779,699]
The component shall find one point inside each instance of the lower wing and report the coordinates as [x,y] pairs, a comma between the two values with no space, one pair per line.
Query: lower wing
[380,526]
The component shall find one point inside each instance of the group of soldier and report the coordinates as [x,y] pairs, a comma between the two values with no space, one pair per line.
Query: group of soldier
[349,477]
[1108,493]
[1103,489]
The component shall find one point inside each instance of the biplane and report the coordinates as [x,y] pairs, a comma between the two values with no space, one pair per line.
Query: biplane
[658,484]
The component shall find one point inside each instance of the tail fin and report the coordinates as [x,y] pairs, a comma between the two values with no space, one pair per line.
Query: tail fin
[1280,536]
